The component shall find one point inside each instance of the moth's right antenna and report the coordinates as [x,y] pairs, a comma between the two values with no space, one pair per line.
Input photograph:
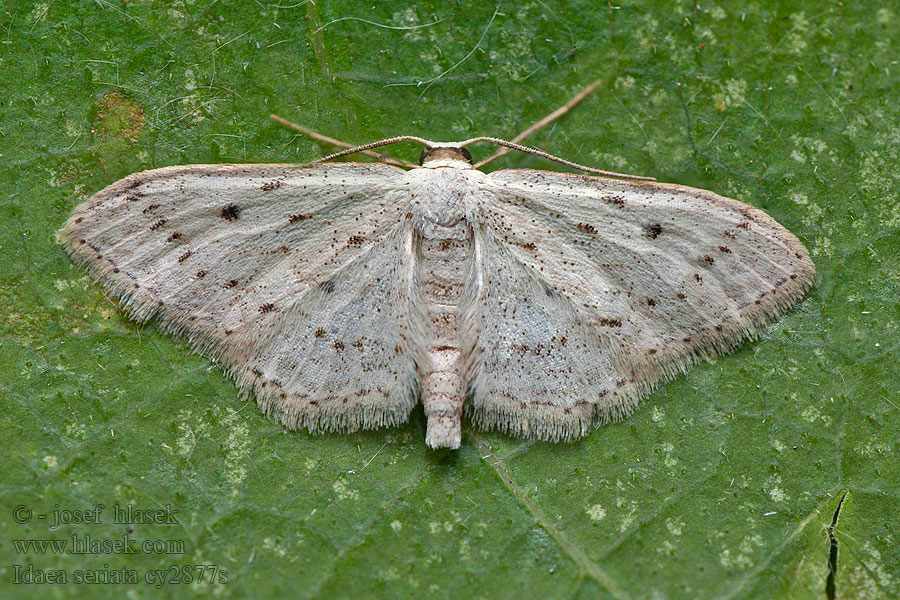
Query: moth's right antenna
[559,112]
[547,155]
[513,144]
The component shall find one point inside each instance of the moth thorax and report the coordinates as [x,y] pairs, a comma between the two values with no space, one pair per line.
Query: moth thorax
[445,154]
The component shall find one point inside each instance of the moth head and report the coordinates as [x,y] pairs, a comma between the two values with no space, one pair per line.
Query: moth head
[444,154]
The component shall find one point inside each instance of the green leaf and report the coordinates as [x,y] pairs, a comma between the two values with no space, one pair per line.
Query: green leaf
[725,483]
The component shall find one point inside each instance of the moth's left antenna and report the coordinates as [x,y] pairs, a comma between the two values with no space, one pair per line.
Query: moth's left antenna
[397,162]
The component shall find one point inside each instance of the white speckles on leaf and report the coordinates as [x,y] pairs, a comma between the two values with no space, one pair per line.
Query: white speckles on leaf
[480,529]
[733,94]
[743,558]
[50,461]
[187,437]
[646,32]
[870,576]
[879,178]
[822,246]
[396,526]
[274,545]
[812,414]
[609,161]
[624,83]
[884,16]
[409,17]
[659,98]
[797,36]
[237,450]
[389,574]
[774,489]
[799,198]
[465,550]
[873,448]
[192,428]
[75,430]
[669,461]
[343,490]
[437,528]
[809,148]
[704,34]
[38,13]
[596,512]
[629,516]
[777,494]
[857,127]
[674,526]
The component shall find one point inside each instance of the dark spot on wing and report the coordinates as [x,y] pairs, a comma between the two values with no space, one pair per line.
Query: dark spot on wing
[652,231]
[320,332]
[356,240]
[338,345]
[256,372]
[150,208]
[530,246]
[651,302]
[724,249]
[707,261]
[175,236]
[327,286]
[79,220]
[267,307]
[185,256]
[230,212]
[614,200]
[604,322]
[295,218]
[586,228]
[680,296]
[233,283]
[158,224]
[271,185]
[201,274]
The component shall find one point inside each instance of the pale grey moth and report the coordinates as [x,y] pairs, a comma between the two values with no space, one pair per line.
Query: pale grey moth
[539,303]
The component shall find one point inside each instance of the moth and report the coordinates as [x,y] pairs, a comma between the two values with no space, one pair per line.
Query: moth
[538,303]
